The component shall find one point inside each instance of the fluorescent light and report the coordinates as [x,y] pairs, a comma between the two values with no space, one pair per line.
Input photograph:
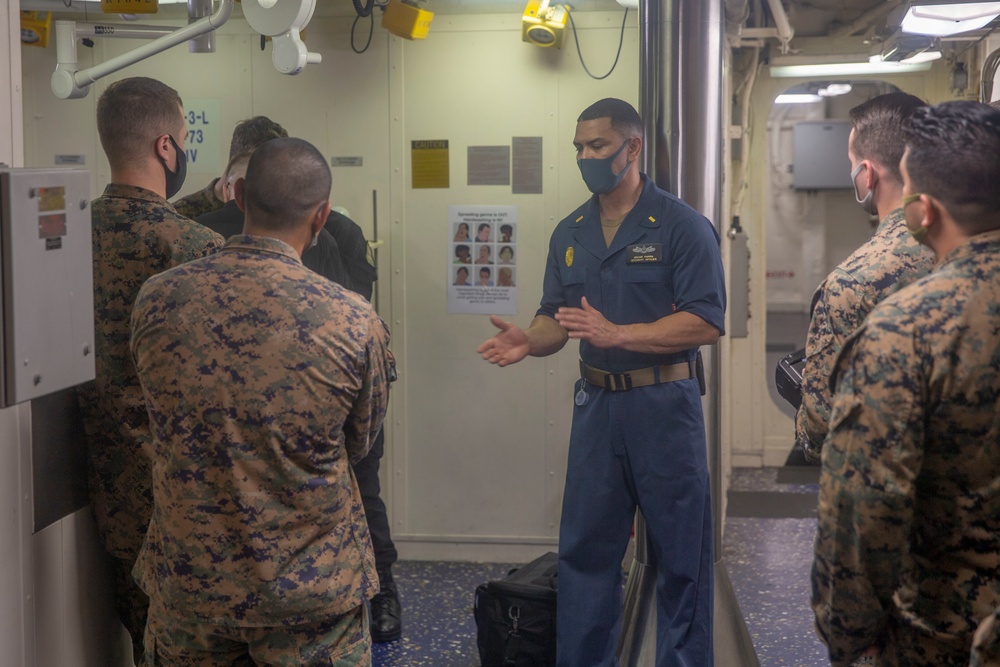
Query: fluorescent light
[835,89]
[915,59]
[797,98]
[948,19]
[846,69]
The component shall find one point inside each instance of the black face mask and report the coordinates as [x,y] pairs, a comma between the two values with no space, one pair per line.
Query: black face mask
[175,179]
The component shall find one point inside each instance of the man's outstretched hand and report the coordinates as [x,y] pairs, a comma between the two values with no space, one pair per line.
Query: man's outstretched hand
[509,346]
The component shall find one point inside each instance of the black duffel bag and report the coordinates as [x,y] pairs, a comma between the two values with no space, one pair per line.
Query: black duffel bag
[516,616]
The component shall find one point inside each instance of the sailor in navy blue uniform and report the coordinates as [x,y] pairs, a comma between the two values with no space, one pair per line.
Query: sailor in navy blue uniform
[636,276]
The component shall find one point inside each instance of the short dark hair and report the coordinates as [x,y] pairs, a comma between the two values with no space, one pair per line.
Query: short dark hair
[253,132]
[877,124]
[132,113]
[286,179]
[624,118]
[953,155]
[242,156]
[485,270]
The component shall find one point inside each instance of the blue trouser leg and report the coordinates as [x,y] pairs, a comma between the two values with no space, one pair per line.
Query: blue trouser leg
[648,444]
[594,531]
[665,441]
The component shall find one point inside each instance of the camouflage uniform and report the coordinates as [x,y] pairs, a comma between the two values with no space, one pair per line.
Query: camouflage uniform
[136,234]
[199,203]
[888,261]
[986,642]
[908,542]
[264,380]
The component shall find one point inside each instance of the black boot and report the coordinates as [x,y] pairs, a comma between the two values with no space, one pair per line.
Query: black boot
[386,612]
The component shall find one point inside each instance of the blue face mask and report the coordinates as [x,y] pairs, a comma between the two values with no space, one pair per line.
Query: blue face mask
[175,179]
[598,174]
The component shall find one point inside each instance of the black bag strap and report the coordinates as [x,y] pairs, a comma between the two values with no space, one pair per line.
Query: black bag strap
[514,638]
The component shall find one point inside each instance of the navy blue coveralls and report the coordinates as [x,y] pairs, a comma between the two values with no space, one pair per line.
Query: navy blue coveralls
[643,446]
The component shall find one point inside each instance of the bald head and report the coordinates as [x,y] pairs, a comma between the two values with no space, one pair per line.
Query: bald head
[286,180]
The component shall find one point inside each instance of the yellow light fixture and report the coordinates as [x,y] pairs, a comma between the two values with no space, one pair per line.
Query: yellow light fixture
[406,19]
[544,25]
[35,28]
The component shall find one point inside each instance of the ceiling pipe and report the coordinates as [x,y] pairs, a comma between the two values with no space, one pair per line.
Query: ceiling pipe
[680,102]
[865,21]
[781,24]
[990,65]
[70,82]
[205,43]
[737,13]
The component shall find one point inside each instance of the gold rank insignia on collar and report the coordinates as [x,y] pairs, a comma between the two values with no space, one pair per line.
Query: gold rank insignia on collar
[652,219]
[569,256]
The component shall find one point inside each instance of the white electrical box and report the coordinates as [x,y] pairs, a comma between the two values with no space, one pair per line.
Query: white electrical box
[47,276]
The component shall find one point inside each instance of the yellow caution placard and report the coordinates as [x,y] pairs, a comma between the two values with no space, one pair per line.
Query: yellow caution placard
[129,6]
[429,162]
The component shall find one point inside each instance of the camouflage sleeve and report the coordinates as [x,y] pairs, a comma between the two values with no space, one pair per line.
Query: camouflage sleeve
[866,497]
[368,412]
[195,242]
[199,203]
[986,642]
[835,316]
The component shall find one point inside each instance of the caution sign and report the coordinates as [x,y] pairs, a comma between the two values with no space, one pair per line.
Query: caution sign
[429,162]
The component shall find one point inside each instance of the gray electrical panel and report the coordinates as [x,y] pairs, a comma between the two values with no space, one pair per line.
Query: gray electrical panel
[47,282]
[819,155]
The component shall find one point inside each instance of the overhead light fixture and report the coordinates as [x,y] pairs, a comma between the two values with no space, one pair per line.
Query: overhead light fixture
[858,68]
[835,89]
[947,17]
[544,25]
[811,93]
[903,47]
[798,98]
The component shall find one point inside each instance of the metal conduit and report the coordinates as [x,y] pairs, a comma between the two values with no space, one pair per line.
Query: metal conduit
[680,99]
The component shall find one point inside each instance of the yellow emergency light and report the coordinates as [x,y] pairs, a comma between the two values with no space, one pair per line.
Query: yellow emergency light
[406,19]
[544,25]
[129,6]
[35,28]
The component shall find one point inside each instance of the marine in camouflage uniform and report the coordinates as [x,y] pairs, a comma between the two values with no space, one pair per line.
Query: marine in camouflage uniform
[136,233]
[907,556]
[264,382]
[199,203]
[887,262]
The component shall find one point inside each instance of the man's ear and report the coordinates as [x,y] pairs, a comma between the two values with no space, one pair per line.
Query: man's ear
[321,214]
[634,148]
[872,174]
[163,148]
[239,190]
[932,212]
